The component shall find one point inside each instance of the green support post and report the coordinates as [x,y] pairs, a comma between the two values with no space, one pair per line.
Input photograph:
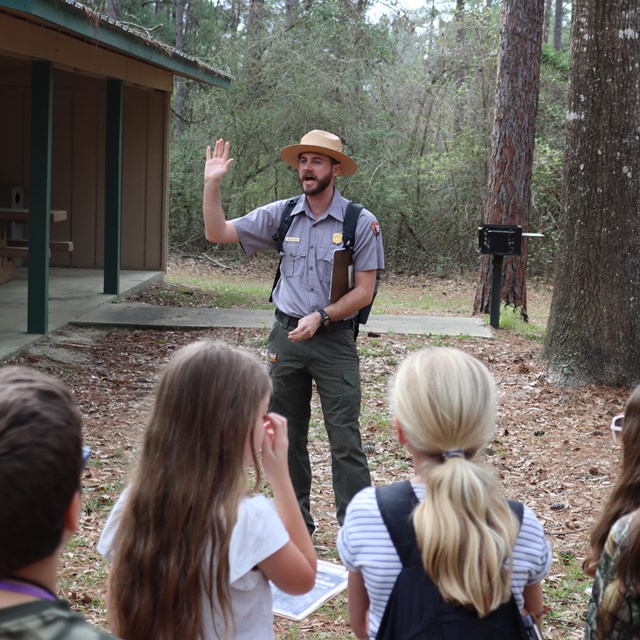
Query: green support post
[113,187]
[39,196]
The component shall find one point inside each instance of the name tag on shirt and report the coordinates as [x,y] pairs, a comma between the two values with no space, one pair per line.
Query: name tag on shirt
[291,239]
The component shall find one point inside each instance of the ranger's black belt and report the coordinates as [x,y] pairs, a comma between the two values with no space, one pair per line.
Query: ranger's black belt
[291,323]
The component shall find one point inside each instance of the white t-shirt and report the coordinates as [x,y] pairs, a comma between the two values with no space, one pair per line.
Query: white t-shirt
[258,534]
[365,546]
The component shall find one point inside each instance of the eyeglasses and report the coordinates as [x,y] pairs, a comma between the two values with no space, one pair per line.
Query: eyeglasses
[86,454]
[616,428]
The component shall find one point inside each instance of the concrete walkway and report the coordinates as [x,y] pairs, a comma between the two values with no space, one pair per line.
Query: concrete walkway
[75,298]
[128,314]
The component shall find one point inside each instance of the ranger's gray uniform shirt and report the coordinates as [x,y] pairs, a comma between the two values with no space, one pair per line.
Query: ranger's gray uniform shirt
[307,256]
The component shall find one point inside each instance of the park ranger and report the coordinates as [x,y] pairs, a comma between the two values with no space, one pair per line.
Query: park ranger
[312,339]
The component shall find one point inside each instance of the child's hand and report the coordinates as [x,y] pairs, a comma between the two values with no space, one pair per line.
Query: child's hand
[275,448]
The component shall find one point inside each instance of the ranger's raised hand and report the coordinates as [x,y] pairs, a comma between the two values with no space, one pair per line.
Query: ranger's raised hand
[217,163]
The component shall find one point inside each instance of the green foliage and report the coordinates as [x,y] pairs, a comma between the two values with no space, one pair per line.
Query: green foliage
[566,592]
[511,319]
[225,293]
[545,209]
[412,96]
[557,61]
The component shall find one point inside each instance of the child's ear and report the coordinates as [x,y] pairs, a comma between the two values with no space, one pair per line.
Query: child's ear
[72,515]
[402,439]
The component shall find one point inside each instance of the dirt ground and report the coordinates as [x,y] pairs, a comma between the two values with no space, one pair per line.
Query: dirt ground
[553,448]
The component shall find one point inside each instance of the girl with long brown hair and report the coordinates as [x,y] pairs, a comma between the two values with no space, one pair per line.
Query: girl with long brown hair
[191,550]
[614,545]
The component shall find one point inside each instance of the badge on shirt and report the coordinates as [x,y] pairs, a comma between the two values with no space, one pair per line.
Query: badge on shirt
[291,239]
[337,238]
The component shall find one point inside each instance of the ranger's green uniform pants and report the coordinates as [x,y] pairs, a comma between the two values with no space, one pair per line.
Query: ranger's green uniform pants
[330,358]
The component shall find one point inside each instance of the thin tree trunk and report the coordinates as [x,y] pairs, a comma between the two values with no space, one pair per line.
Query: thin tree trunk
[236,15]
[547,21]
[557,27]
[460,37]
[509,189]
[178,103]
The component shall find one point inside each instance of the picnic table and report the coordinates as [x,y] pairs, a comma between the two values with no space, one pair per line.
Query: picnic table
[10,249]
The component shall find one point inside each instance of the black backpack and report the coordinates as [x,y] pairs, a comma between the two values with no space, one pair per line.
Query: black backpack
[348,242]
[415,608]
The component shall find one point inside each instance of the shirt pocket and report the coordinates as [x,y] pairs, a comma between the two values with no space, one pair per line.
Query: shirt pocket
[324,263]
[294,259]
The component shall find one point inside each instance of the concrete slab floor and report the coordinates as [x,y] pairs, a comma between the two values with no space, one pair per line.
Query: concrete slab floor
[72,292]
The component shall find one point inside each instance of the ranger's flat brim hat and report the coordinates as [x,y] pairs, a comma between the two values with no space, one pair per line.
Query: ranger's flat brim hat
[318,141]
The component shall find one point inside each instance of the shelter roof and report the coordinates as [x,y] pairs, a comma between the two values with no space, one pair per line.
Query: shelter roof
[83,22]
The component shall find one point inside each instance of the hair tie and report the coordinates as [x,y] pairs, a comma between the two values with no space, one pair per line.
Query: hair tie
[453,453]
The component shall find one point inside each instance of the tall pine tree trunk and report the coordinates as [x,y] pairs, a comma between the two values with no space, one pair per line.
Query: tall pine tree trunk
[460,69]
[557,27]
[178,102]
[593,335]
[547,21]
[509,189]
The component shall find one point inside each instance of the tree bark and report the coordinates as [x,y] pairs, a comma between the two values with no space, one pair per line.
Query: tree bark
[593,335]
[178,102]
[291,12]
[557,26]
[547,21]
[460,69]
[513,138]
[254,24]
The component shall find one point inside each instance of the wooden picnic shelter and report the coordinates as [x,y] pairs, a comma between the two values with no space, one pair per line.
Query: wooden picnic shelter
[85,121]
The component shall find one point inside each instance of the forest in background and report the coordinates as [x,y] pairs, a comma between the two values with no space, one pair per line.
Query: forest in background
[411,92]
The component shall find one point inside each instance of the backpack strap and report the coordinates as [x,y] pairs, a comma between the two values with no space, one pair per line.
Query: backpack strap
[518,509]
[397,503]
[349,225]
[280,235]
[348,242]
[285,222]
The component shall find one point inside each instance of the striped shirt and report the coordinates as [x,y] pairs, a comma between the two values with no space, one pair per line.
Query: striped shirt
[365,546]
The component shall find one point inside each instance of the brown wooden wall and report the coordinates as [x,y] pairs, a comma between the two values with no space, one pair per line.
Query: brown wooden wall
[77,179]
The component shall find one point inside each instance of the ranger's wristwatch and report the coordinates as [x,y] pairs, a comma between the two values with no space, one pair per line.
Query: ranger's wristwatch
[325,320]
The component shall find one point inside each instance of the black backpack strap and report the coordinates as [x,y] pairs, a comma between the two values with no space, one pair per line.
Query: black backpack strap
[349,225]
[280,235]
[518,509]
[396,503]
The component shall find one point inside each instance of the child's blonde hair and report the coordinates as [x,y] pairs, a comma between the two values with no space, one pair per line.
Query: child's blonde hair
[445,402]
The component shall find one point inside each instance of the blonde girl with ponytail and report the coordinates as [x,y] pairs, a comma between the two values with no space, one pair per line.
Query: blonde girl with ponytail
[471,543]
[192,544]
